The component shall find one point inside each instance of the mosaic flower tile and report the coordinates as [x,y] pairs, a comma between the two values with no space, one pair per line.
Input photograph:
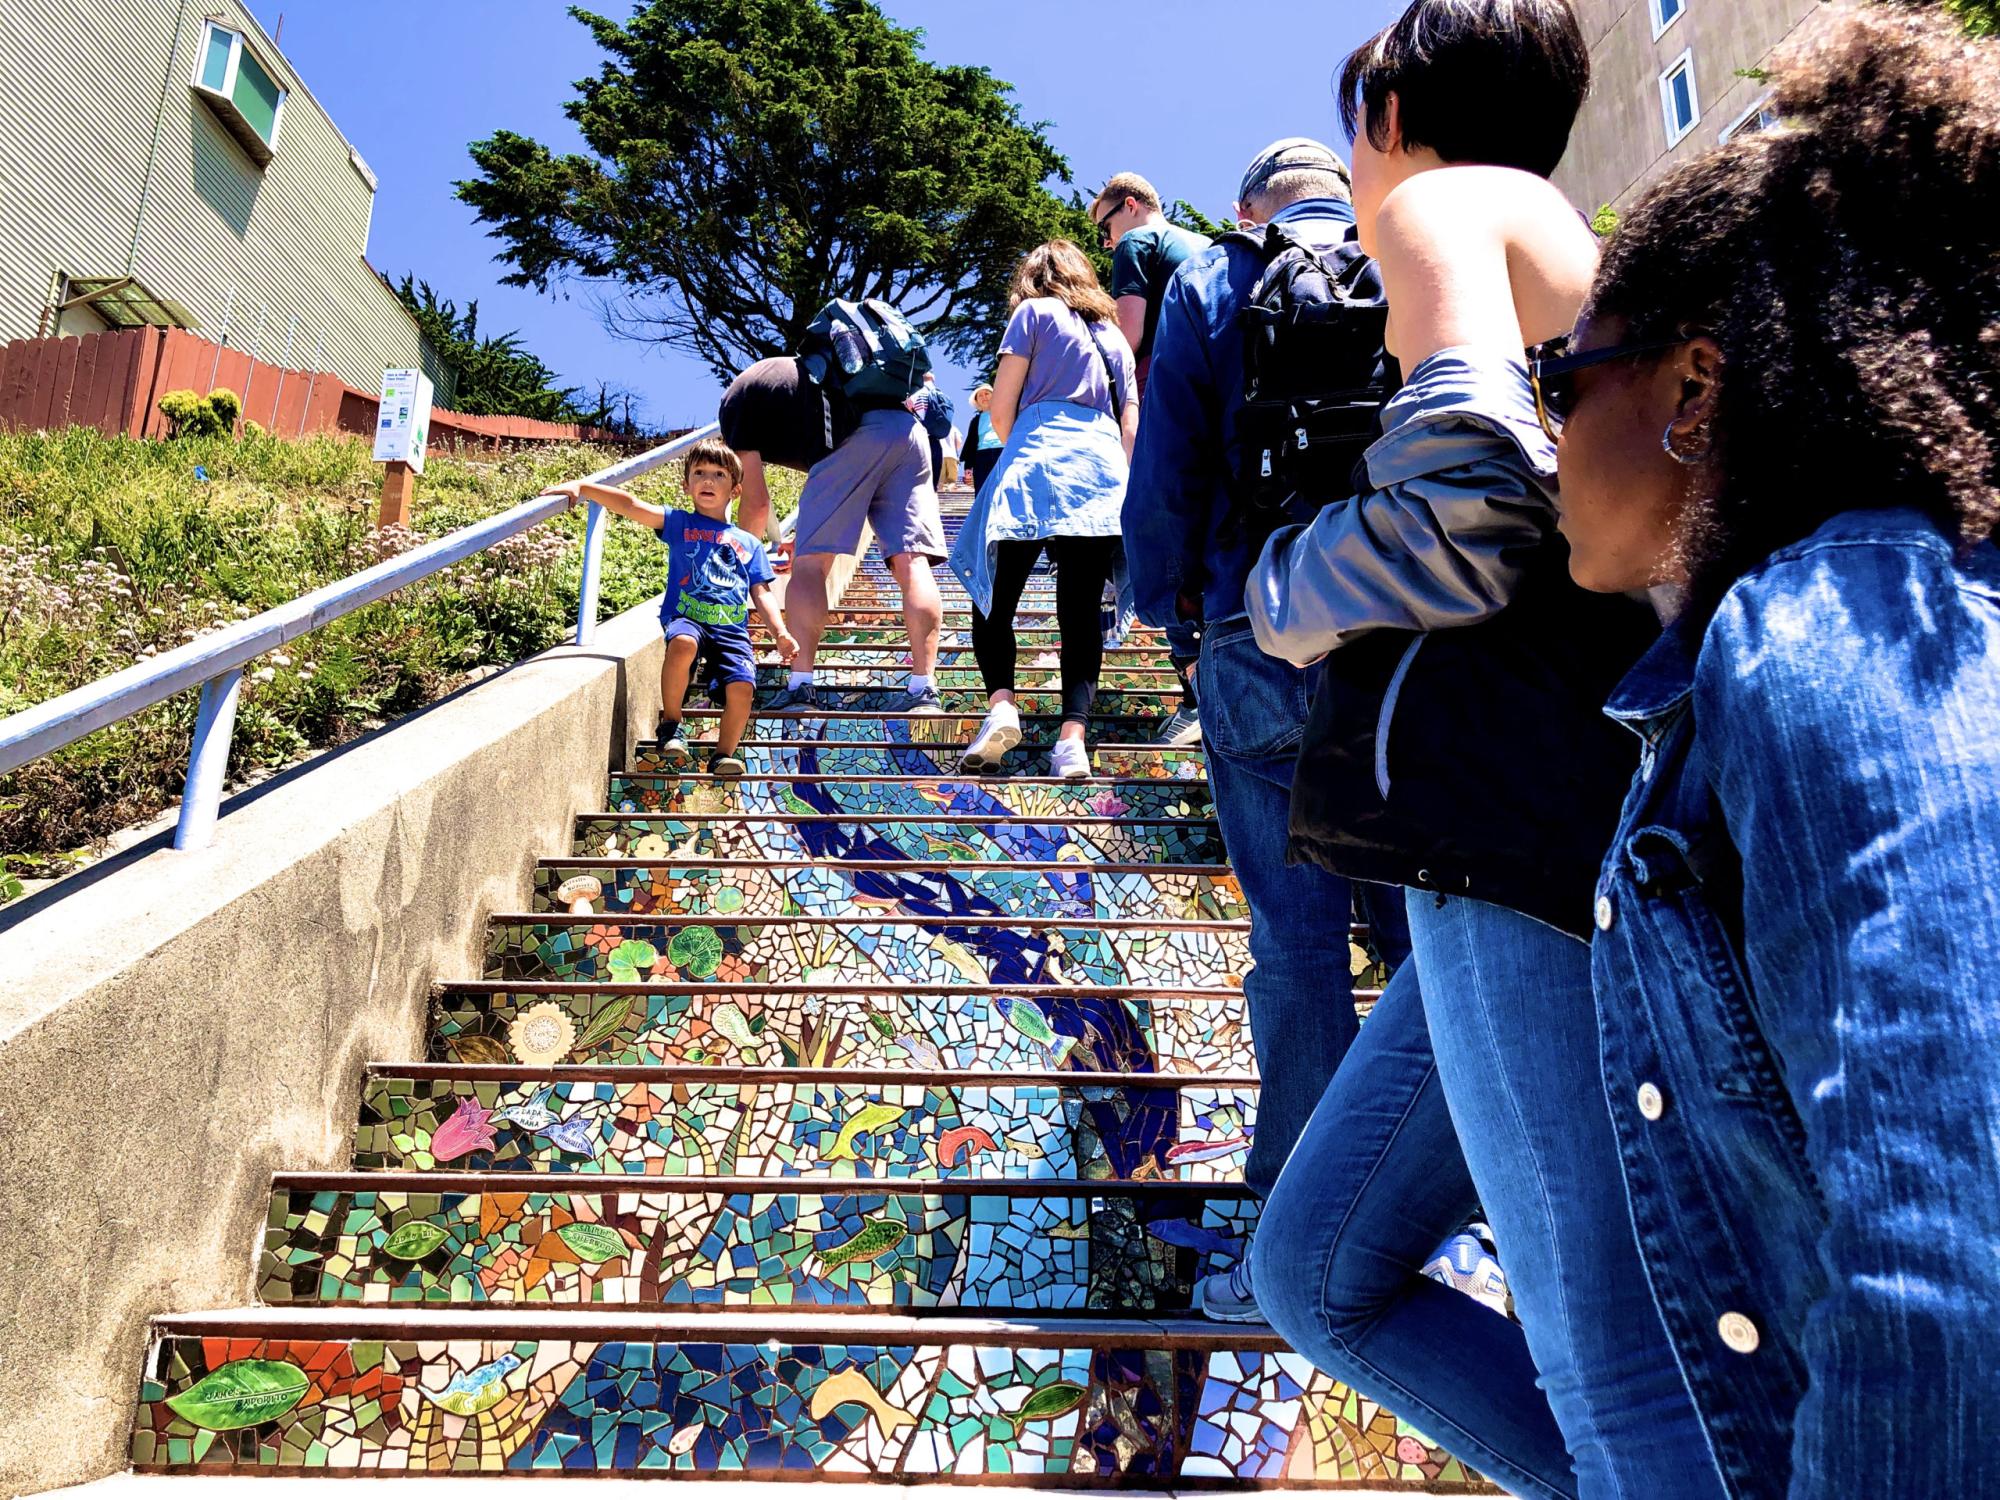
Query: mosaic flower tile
[1120,1251]
[919,833]
[993,796]
[779,1126]
[1075,1028]
[916,950]
[1069,1411]
[770,890]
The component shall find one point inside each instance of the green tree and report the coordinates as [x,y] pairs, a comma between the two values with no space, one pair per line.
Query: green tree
[494,375]
[750,159]
[1981,17]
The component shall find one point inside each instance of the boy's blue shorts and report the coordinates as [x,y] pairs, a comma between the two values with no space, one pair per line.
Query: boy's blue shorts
[722,653]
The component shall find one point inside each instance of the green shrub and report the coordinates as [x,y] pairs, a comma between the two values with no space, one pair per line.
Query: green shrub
[210,416]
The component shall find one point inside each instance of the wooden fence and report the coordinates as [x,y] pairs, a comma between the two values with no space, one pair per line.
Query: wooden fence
[114,381]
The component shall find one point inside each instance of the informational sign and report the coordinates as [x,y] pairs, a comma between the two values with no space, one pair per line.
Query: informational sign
[404,424]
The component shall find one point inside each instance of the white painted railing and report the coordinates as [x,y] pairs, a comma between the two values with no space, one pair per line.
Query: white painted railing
[215,662]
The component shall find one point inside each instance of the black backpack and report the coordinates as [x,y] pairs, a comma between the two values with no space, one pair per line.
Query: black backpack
[1315,377]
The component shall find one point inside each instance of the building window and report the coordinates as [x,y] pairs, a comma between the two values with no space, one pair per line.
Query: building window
[240,89]
[1758,117]
[1665,13]
[1678,101]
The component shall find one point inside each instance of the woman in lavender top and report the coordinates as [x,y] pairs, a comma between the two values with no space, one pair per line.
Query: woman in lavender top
[1065,409]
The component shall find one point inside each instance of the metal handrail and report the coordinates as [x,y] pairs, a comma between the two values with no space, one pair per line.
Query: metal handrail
[215,662]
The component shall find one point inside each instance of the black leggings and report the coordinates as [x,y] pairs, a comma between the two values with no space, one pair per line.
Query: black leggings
[1083,564]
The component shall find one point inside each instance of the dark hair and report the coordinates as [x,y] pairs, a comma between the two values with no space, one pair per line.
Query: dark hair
[1490,82]
[714,452]
[1848,265]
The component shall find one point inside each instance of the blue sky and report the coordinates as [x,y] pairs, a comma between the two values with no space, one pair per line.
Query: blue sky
[1185,91]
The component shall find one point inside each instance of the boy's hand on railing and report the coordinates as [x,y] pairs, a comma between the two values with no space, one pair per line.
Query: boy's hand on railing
[571,492]
[787,644]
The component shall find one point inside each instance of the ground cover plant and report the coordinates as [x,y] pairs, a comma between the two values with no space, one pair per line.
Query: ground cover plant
[113,550]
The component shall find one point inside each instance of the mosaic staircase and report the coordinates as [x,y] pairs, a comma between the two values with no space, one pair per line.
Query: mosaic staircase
[851,1119]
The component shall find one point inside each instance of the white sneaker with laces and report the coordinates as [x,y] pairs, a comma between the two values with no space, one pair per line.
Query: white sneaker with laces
[1070,759]
[998,733]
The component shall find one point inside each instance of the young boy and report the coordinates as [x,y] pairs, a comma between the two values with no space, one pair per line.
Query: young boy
[716,573]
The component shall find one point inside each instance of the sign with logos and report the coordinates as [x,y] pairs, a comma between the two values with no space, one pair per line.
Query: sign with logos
[403,426]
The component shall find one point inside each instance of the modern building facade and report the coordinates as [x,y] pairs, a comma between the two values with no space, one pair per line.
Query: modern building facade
[162,163]
[1670,78]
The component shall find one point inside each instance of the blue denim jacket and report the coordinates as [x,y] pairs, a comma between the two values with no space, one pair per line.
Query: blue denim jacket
[1178,498]
[1798,977]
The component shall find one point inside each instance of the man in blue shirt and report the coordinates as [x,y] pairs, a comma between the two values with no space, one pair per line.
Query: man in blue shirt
[1188,565]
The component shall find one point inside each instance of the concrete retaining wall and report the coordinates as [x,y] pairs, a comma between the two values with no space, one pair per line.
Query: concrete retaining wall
[176,1027]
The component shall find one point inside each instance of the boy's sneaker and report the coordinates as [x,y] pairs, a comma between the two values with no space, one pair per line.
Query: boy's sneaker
[1070,759]
[727,765]
[1184,728]
[805,695]
[998,733]
[1227,1296]
[674,750]
[920,701]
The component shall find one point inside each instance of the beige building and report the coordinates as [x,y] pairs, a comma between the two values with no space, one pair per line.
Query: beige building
[1668,82]
[161,162]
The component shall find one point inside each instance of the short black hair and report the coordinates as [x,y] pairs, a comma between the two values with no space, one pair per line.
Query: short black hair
[1486,82]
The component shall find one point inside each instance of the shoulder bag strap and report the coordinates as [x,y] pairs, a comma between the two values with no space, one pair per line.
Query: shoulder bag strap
[1110,373]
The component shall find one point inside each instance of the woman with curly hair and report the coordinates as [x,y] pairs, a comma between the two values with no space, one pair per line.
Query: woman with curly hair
[1782,400]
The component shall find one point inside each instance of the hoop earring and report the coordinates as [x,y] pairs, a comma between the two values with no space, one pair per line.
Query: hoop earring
[1686,460]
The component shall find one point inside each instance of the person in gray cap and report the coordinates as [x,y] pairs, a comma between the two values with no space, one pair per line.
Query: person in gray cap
[1189,555]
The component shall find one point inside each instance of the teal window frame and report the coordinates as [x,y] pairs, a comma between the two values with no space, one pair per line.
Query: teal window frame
[221,79]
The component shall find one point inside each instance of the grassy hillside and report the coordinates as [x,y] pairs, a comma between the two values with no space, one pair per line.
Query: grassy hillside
[113,550]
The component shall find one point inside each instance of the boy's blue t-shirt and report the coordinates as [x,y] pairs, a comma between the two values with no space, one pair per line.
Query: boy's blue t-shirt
[711,568]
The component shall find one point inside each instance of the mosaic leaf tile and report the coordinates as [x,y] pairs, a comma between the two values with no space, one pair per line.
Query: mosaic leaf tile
[415,1118]
[630,949]
[771,890]
[918,833]
[1117,1249]
[1089,1029]
[1069,1410]
[960,798]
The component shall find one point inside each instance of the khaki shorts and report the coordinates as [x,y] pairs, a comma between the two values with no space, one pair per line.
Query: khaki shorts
[881,475]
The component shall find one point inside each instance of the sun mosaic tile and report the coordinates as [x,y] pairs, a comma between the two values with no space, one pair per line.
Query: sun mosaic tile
[777,1126]
[1111,1249]
[1080,1028]
[957,798]
[769,890]
[805,833]
[631,949]
[1067,1409]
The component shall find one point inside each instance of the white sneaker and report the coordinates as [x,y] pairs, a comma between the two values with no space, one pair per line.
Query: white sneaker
[999,733]
[1070,759]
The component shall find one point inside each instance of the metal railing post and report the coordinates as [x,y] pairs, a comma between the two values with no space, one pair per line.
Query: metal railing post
[593,570]
[214,726]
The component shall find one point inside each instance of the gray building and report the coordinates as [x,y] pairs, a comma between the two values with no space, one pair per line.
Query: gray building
[161,162]
[1668,81]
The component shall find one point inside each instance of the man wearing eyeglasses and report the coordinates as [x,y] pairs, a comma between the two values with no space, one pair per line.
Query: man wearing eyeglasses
[1146,250]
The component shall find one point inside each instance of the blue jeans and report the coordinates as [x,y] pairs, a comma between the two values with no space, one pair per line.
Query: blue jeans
[1299,989]
[1513,1024]
[1376,1184]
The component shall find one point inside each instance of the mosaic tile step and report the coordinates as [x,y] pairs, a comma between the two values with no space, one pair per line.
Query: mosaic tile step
[1088,1403]
[970,949]
[803,1122]
[895,652]
[1041,796]
[1112,704]
[899,836]
[953,729]
[1040,634]
[1094,1028]
[429,1238]
[887,615]
[772,888]
[906,756]
[843,674]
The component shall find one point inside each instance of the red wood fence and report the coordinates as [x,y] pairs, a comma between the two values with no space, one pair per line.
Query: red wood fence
[114,381]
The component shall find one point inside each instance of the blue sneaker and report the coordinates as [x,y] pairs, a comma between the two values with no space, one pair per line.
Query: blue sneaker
[920,701]
[805,695]
[1227,1296]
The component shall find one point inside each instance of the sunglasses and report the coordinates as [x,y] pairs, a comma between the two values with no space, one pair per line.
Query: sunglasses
[1554,378]
[1104,224]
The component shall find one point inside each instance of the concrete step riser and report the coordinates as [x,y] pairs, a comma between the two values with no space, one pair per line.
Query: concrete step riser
[901,836]
[974,797]
[1086,1247]
[762,1123]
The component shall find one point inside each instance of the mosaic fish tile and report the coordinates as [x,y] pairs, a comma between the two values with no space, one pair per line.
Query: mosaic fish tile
[995,796]
[777,1126]
[635,950]
[771,890]
[1067,1411]
[1082,1028]
[802,832]
[1121,1250]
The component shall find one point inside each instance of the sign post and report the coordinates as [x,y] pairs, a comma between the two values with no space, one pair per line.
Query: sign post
[402,430]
